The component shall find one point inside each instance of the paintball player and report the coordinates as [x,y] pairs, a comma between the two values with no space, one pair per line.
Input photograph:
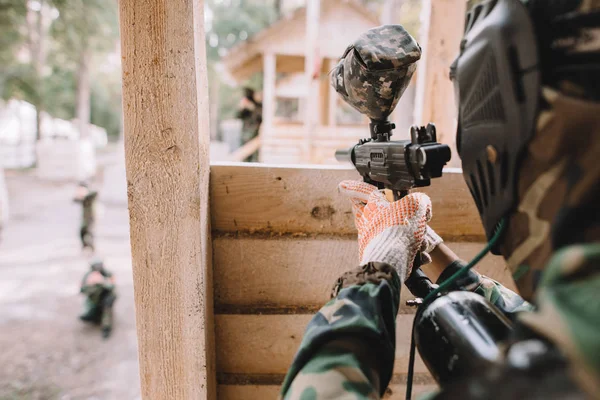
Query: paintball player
[98,285]
[528,92]
[87,198]
[250,112]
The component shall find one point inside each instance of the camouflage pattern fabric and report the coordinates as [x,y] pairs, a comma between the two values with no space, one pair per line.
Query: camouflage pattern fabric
[88,219]
[251,116]
[504,299]
[99,301]
[568,300]
[558,189]
[376,69]
[88,203]
[348,347]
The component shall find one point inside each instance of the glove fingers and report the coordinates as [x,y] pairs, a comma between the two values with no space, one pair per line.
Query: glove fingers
[377,202]
[425,258]
[356,190]
[415,205]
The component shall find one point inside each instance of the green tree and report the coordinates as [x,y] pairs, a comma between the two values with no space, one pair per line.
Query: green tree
[85,31]
[57,50]
[23,50]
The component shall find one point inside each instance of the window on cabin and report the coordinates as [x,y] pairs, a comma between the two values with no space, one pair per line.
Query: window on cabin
[288,109]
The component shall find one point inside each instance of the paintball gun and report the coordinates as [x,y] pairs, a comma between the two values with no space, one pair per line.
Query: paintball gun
[398,165]
[456,332]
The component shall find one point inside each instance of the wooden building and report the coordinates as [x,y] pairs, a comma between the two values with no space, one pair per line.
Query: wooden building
[304,120]
[230,261]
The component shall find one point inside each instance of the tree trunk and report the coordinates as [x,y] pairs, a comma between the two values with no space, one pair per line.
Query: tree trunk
[278,10]
[440,40]
[82,110]
[37,32]
[312,70]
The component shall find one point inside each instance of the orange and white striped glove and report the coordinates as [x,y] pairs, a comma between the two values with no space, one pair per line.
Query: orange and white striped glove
[391,232]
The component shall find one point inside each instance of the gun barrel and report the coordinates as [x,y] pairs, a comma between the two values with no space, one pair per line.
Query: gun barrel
[343,156]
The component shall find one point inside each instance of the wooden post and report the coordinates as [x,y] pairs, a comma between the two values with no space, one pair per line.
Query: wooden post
[389,11]
[440,40]
[403,115]
[310,70]
[269,75]
[165,104]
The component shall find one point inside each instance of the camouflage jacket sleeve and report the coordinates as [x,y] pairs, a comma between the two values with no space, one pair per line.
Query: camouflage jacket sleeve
[348,347]
[568,301]
[503,298]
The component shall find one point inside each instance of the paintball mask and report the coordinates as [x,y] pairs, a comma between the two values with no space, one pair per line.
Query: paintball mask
[497,88]
[376,69]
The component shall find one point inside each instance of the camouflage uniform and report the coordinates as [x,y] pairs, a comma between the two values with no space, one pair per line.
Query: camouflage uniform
[100,297]
[88,219]
[349,345]
[552,246]
[251,116]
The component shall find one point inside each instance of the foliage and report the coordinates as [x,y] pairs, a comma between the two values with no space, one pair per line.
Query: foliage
[228,23]
[76,26]
[12,14]
[83,25]
[92,25]
[15,77]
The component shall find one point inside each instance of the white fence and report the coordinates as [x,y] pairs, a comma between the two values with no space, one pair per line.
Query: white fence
[61,154]
[60,160]
[3,199]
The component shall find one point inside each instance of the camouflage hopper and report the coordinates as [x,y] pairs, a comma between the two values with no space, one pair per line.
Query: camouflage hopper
[376,69]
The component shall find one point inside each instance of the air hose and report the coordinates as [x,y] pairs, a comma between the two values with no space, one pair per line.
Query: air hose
[443,287]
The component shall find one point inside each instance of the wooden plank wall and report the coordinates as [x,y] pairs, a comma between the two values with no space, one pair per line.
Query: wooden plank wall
[281,236]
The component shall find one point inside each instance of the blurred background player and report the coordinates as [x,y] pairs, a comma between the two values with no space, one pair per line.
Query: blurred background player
[98,285]
[87,198]
[250,112]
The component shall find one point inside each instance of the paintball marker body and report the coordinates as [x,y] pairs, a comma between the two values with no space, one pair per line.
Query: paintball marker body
[401,164]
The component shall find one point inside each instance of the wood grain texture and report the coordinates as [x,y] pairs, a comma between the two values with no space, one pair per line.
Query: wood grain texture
[299,272]
[259,392]
[305,199]
[440,42]
[266,344]
[165,101]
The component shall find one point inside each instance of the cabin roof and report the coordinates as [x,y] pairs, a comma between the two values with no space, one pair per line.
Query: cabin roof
[341,21]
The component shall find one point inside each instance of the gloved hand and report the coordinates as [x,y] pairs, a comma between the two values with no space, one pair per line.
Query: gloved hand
[391,232]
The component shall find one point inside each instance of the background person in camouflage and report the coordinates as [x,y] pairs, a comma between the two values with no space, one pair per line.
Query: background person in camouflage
[250,112]
[98,285]
[87,198]
[551,245]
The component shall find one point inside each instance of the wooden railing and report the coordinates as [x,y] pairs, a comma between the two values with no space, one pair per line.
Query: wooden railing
[246,150]
[280,238]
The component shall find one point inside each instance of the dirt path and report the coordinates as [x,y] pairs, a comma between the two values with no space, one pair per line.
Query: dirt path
[45,351]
